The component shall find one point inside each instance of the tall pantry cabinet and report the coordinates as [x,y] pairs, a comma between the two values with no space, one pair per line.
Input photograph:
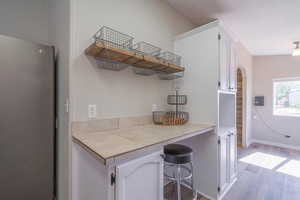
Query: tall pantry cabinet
[209,81]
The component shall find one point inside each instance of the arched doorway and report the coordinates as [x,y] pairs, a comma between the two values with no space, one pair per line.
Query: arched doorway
[240,107]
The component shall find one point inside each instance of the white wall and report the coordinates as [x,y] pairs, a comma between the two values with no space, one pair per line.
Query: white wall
[267,68]
[122,93]
[59,35]
[246,64]
[26,20]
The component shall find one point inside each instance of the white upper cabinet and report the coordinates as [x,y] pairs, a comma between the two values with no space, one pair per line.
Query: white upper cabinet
[140,179]
[227,59]
[233,68]
[224,59]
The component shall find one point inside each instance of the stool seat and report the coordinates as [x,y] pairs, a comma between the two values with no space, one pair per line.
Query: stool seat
[177,154]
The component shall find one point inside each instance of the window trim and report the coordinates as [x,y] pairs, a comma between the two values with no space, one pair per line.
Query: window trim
[287,79]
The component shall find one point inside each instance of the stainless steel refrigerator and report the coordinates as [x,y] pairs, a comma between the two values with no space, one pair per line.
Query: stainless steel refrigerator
[27,120]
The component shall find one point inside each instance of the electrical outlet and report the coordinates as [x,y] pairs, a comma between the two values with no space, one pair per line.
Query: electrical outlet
[92,111]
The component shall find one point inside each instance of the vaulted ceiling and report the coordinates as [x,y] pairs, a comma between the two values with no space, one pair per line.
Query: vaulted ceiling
[265,27]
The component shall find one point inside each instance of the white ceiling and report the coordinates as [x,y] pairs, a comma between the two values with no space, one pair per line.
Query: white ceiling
[265,27]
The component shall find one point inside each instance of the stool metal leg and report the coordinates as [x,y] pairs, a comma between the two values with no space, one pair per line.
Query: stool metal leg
[174,184]
[178,176]
[193,184]
[178,183]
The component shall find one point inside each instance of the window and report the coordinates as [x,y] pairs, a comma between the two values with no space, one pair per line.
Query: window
[286,97]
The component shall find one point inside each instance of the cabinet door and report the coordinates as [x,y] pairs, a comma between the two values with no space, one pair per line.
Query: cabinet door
[224,59]
[233,155]
[228,62]
[140,179]
[224,179]
[233,67]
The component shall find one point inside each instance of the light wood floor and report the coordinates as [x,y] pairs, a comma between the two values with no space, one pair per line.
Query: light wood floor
[267,177]
[263,179]
[187,194]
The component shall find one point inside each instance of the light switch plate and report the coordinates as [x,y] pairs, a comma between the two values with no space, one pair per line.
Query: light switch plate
[92,111]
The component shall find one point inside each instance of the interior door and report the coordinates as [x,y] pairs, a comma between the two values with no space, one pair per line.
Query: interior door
[224,143]
[27,120]
[140,179]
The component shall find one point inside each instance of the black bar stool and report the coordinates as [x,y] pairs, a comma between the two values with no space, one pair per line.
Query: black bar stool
[178,157]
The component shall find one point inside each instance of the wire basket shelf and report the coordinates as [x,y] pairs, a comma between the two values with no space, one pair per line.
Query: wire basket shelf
[165,76]
[110,65]
[170,57]
[147,49]
[144,72]
[111,37]
[146,58]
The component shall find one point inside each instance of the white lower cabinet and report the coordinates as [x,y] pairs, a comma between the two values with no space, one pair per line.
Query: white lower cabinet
[227,161]
[233,156]
[129,179]
[224,143]
[140,179]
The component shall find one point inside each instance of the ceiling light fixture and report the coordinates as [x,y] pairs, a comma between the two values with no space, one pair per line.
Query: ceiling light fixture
[296,51]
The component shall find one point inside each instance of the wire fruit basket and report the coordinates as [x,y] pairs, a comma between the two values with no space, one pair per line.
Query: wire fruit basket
[170,118]
[177,99]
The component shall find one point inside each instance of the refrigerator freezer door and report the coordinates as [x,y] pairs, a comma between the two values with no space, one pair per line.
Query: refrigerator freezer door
[27,113]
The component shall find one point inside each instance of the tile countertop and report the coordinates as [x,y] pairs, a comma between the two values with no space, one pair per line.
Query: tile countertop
[112,143]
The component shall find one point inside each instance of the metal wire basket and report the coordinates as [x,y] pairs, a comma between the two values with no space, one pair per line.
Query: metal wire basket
[111,37]
[170,118]
[147,49]
[165,76]
[110,65]
[177,99]
[144,72]
[170,57]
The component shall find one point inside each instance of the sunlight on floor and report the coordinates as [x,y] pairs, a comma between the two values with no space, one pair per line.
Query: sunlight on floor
[263,160]
[291,168]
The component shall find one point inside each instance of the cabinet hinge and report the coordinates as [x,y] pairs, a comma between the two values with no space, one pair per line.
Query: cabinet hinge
[219,84]
[219,141]
[112,179]
[219,189]
[219,36]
